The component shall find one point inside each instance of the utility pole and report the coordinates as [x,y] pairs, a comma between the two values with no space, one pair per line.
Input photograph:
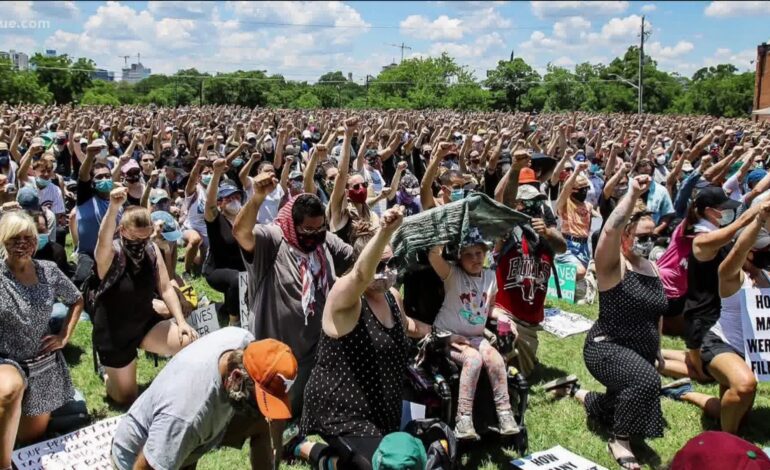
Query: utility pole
[367,89]
[642,38]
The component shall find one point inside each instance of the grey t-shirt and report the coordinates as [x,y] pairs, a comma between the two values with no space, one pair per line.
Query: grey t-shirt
[467,301]
[275,289]
[185,411]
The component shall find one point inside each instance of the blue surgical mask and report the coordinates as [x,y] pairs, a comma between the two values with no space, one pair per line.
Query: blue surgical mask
[103,186]
[237,162]
[42,183]
[42,240]
[107,134]
[457,194]
[206,179]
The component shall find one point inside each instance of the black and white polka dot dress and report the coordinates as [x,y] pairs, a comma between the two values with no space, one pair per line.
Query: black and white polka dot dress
[620,352]
[356,384]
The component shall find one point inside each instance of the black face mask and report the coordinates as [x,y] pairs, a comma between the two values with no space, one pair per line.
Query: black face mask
[308,243]
[581,194]
[761,260]
[533,209]
[5,160]
[135,250]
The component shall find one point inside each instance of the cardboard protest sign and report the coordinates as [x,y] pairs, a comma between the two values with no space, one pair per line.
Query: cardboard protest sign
[556,458]
[85,449]
[562,324]
[243,286]
[204,320]
[567,280]
[755,319]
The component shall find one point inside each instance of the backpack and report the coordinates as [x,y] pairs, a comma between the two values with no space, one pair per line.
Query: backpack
[439,441]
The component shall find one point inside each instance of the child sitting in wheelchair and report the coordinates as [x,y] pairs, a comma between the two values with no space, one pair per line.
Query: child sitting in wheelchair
[469,296]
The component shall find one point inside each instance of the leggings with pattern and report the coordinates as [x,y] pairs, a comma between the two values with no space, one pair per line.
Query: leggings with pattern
[472,358]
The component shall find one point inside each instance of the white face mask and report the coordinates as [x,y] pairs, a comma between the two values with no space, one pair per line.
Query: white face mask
[660,160]
[642,249]
[233,207]
[104,153]
[728,215]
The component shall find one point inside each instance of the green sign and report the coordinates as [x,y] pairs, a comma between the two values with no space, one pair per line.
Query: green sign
[567,281]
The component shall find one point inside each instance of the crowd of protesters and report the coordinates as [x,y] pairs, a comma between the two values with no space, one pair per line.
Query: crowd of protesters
[665,219]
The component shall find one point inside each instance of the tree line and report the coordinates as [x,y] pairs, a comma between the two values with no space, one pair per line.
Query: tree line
[420,83]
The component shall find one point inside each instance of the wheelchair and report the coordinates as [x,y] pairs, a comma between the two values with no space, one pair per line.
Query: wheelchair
[433,378]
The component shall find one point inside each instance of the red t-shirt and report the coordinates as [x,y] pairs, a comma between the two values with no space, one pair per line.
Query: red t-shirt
[522,282]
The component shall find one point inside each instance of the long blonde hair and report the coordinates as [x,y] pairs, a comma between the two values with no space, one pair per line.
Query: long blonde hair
[13,224]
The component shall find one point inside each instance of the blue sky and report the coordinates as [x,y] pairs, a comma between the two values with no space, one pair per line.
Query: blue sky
[293,38]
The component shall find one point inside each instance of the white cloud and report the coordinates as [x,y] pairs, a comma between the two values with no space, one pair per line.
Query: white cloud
[563,61]
[58,10]
[741,59]
[618,28]
[479,48]
[584,8]
[660,52]
[649,7]
[571,27]
[442,27]
[748,8]
[177,9]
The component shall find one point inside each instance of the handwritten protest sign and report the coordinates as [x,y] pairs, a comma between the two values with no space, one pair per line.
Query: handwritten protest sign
[243,286]
[562,324]
[567,281]
[84,449]
[557,458]
[204,320]
[755,317]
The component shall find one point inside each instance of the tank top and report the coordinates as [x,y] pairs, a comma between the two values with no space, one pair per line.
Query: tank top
[355,386]
[522,281]
[703,300]
[674,261]
[729,327]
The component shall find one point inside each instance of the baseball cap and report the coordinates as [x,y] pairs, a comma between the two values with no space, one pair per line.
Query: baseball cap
[715,197]
[399,451]
[306,134]
[755,176]
[472,238]
[582,182]
[716,450]
[527,175]
[273,367]
[226,189]
[28,199]
[3,146]
[687,166]
[130,165]
[157,195]
[528,192]
[170,229]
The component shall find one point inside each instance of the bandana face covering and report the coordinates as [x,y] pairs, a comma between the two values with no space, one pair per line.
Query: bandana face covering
[642,249]
[135,250]
[383,281]
[309,242]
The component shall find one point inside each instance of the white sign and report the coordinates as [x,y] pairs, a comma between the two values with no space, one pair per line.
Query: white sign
[243,286]
[85,449]
[756,331]
[562,324]
[557,458]
[411,411]
[204,320]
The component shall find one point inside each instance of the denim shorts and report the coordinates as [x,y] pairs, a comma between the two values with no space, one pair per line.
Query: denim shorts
[576,253]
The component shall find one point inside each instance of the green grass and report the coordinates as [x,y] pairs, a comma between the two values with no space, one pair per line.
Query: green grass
[549,423]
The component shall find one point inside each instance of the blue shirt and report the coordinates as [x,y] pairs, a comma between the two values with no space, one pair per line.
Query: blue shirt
[659,202]
[91,209]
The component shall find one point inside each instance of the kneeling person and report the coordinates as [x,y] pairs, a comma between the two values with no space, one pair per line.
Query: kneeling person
[189,406]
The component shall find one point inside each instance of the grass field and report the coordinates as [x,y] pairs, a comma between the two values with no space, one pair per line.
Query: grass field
[549,423]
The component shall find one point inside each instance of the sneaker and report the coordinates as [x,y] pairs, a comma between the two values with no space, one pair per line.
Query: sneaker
[677,389]
[507,423]
[464,428]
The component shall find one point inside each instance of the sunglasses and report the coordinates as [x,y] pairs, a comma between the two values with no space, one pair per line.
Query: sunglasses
[646,238]
[385,264]
[358,186]
[148,160]
[302,231]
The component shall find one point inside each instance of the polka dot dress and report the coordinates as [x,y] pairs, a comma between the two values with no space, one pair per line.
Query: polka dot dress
[355,386]
[620,352]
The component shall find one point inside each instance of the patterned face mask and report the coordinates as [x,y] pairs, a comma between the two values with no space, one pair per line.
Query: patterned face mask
[383,281]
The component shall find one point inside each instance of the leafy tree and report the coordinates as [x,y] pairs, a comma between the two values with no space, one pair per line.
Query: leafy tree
[67,81]
[509,82]
[307,101]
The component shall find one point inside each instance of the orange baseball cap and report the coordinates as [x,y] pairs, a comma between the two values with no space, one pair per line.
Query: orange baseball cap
[527,175]
[273,367]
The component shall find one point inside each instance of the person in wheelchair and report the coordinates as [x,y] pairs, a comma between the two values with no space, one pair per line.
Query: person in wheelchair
[469,294]
[354,394]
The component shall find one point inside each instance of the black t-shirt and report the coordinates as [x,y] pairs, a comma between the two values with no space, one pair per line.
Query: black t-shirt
[491,181]
[63,162]
[224,252]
